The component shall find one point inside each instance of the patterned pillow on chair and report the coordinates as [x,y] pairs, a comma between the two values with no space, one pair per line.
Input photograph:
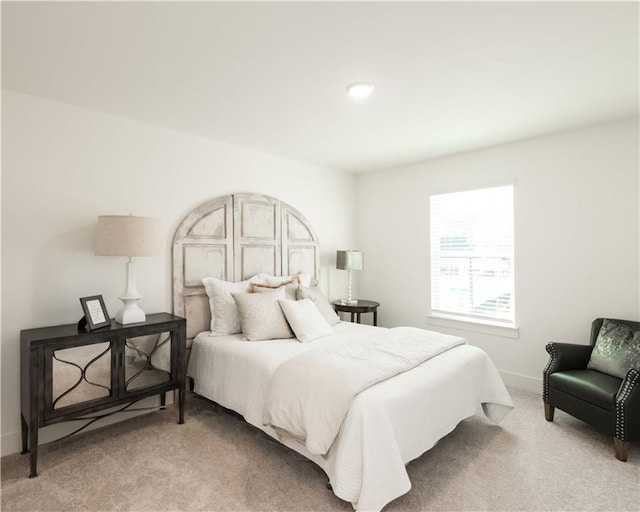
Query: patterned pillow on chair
[616,350]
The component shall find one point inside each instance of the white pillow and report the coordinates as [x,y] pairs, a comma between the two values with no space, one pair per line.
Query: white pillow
[317,297]
[265,279]
[261,317]
[290,287]
[307,322]
[265,282]
[224,313]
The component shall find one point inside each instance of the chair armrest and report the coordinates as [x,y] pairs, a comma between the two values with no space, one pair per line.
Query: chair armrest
[630,386]
[567,356]
[564,356]
[628,405]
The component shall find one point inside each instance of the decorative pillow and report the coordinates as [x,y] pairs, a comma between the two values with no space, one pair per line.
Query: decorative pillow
[265,279]
[224,313]
[290,287]
[617,349]
[261,317]
[317,297]
[265,282]
[307,322]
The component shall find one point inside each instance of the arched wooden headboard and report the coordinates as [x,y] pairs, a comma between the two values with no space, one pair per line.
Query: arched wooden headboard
[233,238]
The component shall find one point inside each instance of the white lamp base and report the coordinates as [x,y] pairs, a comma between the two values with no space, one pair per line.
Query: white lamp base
[130,313]
[349,301]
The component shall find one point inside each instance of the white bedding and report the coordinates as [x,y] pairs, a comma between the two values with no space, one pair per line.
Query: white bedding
[388,424]
[310,394]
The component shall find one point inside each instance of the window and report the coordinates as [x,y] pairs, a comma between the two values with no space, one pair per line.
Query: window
[472,255]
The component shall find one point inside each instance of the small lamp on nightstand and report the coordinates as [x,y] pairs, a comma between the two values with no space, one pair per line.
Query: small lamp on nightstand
[349,260]
[126,235]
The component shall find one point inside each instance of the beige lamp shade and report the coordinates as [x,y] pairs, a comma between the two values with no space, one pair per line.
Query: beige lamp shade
[126,235]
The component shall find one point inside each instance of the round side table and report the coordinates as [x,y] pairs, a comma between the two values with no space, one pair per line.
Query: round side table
[357,308]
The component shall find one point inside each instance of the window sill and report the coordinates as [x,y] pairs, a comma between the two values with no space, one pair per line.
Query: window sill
[474,326]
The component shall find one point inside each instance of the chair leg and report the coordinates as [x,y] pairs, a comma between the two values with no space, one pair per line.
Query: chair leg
[621,448]
[548,411]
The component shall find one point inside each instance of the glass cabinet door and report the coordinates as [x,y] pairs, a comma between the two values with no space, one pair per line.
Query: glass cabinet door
[147,361]
[80,374]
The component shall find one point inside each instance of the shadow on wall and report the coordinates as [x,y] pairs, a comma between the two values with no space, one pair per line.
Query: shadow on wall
[66,269]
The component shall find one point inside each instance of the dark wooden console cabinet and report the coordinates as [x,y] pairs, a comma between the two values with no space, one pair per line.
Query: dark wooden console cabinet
[67,374]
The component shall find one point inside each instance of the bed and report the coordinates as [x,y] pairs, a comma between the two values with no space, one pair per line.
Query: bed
[388,424]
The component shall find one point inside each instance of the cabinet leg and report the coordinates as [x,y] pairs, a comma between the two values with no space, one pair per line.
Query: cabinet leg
[181,394]
[25,435]
[33,451]
[163,399]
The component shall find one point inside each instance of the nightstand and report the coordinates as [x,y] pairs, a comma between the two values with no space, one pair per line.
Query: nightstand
[360,306]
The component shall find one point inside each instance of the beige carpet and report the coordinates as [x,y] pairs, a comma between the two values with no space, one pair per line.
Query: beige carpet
[216,461]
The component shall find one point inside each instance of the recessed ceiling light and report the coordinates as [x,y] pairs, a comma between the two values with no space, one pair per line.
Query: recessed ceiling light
[360,90]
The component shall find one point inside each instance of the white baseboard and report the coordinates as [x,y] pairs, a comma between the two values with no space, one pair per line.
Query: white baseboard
[12,442]
[523,382]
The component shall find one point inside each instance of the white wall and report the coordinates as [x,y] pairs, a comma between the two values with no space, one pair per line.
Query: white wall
[63,166]
[577,232]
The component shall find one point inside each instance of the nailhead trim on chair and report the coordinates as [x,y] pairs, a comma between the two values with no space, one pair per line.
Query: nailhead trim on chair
[549,369]
[629,383]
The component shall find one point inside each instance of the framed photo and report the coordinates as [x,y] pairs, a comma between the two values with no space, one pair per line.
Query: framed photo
[95,312]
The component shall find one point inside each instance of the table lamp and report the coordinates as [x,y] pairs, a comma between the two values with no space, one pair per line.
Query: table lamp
[349,260]
[126,235]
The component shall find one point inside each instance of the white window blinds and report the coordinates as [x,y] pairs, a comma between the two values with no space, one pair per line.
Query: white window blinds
[472,255]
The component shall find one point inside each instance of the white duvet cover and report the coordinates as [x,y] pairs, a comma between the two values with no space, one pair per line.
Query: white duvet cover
[310,394]
[388,424]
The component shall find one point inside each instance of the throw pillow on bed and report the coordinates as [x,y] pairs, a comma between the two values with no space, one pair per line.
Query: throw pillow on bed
[316,296]
[307,322]
[224,313]
[265,283]
[617,349]
[261,317]
[290,287]
[265,279]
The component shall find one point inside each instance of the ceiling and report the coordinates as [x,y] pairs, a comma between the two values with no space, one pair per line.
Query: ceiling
[449,76]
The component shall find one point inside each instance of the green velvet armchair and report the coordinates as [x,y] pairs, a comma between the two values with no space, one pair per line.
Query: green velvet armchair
[610,403]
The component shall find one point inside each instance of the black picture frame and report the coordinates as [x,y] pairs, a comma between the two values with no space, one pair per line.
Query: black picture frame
[96,315]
